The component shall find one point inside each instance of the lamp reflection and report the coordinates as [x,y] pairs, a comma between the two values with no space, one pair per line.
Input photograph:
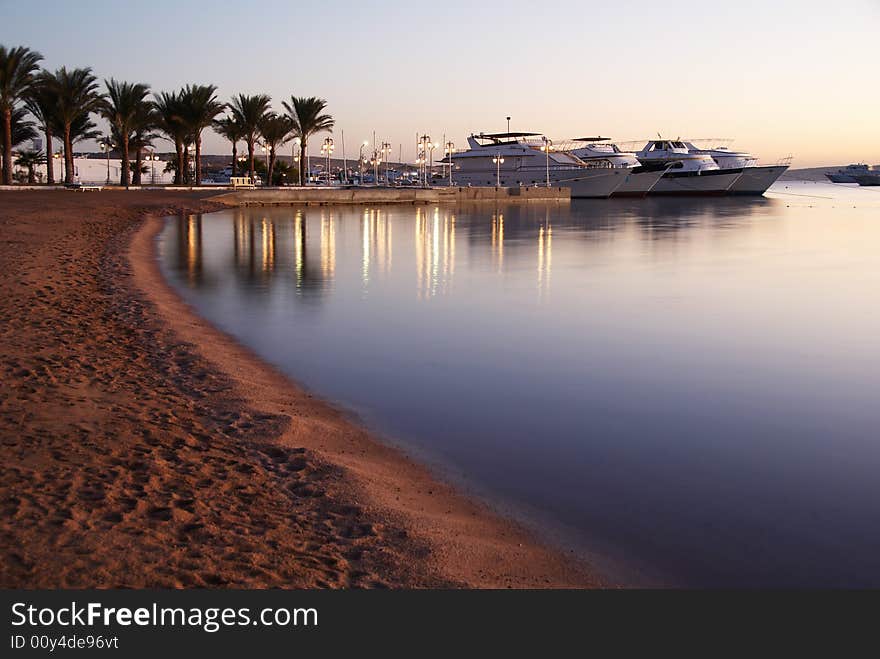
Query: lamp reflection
[435,251]
[189,228]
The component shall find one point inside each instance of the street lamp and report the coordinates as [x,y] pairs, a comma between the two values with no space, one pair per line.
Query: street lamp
[191,149]
[266,151]
[57,156]
[425,144]
[431,147]
[294,151]
[386,153]
[498,160]
[546,149]
[374,161]
[327,149]
[152,158]
[107,146]
[362,160]
[450,149]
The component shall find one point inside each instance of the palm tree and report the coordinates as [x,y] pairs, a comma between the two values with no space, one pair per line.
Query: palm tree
[142,136]
[200,107]
[305,113]
[169,116]
[229,128]
[17,68]
[125,101]
[82,128]
[22,127]
[77,97]
[275,129]
[139,139]
[249,111]
[21,130]
[40,102]
[29,159]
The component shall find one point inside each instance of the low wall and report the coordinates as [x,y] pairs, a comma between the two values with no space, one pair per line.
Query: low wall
[330,196]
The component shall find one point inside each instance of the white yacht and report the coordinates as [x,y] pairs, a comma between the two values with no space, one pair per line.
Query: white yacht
[755,178]
[848,174]
[688,173]
[640,181]
[517,159]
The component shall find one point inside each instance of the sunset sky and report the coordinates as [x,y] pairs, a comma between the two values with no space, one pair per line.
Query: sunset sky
[782,77]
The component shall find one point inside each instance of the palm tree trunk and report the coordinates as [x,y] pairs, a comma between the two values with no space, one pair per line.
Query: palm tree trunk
[68,155]
[7,146]
[126,171]
[251,157]
[138,163]
[198,167]
[178,175]
[302,162]
[50,164]
[271,165]
[234,157]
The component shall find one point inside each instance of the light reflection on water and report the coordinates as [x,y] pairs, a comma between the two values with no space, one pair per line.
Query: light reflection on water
[686,388]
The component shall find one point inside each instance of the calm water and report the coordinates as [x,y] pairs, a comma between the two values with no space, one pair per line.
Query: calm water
[685,391]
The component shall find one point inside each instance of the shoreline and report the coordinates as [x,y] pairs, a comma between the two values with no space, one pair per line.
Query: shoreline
[363,514]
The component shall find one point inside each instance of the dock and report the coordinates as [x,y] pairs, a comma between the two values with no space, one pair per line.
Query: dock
[412,196]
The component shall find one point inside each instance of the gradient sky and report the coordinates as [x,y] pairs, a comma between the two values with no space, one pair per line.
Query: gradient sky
[782,77]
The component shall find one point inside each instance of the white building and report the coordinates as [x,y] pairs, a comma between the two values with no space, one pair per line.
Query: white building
[94,170]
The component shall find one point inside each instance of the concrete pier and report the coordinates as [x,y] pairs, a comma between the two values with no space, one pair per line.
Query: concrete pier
[333,196]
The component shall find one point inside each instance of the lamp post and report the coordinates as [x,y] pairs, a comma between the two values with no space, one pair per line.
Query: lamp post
[450,149]
[424,144]
[386,154]
[294,151]
[420,162]
[152,157]
[374,161]
[431,147]
[57,156]
[508,125]
[327,149]
[106,146]
[498,160]
[191,149]
[546,149]
[362,160]
[242,166]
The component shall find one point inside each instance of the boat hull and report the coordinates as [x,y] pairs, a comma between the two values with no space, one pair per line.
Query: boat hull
[600,183]
[840,178]
[584,183]
[639,184]
[712,182]
[868,179]
[756,180]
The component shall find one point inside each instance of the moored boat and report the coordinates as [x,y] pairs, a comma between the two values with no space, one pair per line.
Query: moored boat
[687,173]
[848,174]
[638,183]
[526,159]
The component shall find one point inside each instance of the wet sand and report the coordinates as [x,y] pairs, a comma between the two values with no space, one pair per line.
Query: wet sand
[143,448]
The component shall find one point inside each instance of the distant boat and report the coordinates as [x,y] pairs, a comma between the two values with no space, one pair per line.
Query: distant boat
[872,177]
[848,174]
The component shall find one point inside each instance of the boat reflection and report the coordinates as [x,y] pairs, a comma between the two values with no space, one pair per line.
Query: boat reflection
[297,250]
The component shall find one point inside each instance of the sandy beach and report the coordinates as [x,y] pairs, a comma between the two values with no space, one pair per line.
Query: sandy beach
[143,448]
